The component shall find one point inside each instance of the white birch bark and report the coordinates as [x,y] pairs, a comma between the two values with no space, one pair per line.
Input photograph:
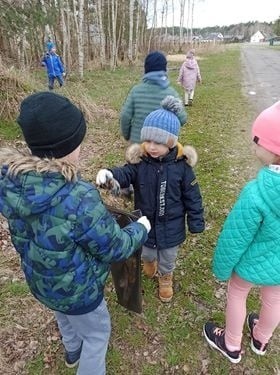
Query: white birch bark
[68,28]
[153,24]
[143,32]
[81,38]
[137,36]
[188,19]
[173,25]
[64,34]
[114,12]
[182,17]
[101,33]
[47,26]
[79,22]
[165,21]
[192,17]
[130,37]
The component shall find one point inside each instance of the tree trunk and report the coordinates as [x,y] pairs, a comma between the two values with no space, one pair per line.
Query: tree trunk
[47,26]
[101,33]
[130,38]
[68,28]
[114,13]
[81,38]
[182,16]
[79,22]
[64,35]
[153,24]
[136,39]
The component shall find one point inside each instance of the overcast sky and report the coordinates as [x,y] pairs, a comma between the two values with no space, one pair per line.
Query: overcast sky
[227,12]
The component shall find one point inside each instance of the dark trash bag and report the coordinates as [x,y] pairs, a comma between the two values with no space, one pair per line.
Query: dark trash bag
[127,273]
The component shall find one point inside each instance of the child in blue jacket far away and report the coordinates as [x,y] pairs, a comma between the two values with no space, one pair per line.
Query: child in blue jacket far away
[54,66]
[165,190]
[65,236]
[248,249]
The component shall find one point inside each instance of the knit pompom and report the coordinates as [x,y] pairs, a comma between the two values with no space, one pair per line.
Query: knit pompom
[172,104]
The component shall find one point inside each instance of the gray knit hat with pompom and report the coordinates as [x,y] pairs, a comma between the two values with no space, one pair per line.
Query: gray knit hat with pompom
[163,125]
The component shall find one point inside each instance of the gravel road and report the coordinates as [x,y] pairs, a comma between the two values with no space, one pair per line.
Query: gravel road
[261,74]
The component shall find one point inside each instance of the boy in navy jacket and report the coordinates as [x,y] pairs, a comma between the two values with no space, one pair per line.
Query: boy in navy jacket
[165,190]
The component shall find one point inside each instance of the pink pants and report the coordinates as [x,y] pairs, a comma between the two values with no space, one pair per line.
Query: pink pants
[269,316]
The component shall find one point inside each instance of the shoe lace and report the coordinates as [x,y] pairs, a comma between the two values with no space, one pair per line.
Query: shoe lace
[219,331]
[166,280]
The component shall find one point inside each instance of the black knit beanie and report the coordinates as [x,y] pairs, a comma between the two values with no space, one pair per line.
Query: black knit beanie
[155,61]
[52,126]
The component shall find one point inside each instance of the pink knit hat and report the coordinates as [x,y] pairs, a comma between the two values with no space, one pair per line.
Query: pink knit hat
[266,129]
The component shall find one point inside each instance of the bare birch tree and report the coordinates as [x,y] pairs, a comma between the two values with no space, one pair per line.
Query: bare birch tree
[137,36]
[173,24]
[143,31]
[188,19]
[64,34]
[182,18]
[130,38]
[47,26]
[114,13]
[101,33]
[81,37]
[154,23]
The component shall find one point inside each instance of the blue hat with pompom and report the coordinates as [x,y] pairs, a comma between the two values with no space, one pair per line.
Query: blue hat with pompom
[163,125]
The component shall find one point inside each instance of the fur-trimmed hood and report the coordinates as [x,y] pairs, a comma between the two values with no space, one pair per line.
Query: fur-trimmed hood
[30,185]
[135,152]
[23,162]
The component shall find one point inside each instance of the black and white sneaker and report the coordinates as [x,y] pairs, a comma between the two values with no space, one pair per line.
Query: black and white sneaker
[215,337]
[72,358]
[256,345]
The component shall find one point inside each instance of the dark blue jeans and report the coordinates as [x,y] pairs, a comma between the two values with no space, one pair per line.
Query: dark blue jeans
[52,79]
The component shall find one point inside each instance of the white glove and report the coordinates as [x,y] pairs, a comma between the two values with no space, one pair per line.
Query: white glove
[103,176]
[145,221]
[105,179]
[63,74]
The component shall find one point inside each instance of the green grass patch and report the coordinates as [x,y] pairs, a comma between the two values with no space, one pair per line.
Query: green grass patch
[167,338]
[14,289]
[9,130]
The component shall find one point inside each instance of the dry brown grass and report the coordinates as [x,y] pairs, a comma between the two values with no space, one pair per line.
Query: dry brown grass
[13,88]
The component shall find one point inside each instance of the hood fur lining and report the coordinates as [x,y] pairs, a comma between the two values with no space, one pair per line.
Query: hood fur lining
[135,151]
[23,162]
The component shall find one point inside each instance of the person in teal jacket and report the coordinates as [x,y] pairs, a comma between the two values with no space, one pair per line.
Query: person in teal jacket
[248,249]
[65,236]
[146,97]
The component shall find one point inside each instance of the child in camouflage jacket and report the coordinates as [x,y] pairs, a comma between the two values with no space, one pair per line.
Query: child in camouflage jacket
[63,233]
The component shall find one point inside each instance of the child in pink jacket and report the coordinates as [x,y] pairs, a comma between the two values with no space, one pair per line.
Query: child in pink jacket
[188,76]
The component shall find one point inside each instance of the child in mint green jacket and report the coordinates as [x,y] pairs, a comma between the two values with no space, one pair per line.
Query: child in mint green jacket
[248,249]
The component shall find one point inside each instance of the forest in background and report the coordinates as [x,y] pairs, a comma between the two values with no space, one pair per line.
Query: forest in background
[103,33]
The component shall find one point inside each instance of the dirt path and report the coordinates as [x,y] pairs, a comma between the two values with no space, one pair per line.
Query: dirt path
[261,74]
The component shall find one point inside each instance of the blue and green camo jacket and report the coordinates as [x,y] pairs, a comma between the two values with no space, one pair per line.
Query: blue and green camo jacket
[62,231]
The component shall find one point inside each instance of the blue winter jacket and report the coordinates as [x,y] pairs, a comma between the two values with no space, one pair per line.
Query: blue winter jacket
[249,243]
[53,64]
[63,233]
[166,191]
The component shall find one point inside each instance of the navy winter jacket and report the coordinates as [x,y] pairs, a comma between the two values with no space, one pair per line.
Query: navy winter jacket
[167,192]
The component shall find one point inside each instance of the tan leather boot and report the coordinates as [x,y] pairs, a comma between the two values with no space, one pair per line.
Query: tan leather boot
[150,268]
[165,287]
